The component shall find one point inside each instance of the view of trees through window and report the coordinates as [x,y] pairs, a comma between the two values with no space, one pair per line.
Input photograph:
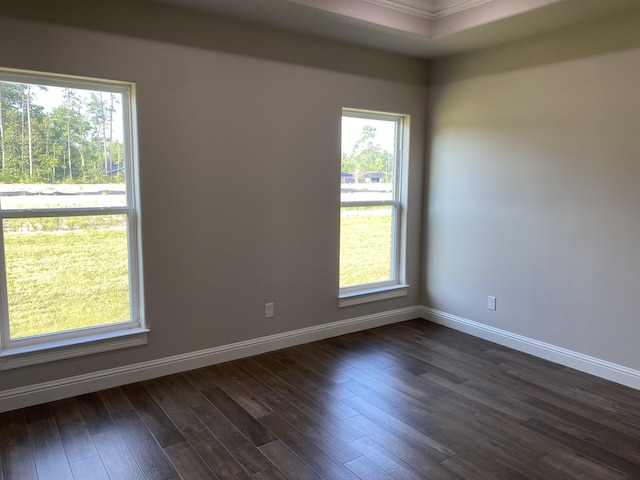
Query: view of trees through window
[53,134]
[64,206]
[368,157]
[369,199]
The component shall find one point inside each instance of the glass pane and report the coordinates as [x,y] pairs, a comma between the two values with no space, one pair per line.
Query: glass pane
[65,273]
[368,159]
[365,245]
[61,147]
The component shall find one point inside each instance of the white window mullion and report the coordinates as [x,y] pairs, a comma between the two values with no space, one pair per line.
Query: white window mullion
[69,212]
[373,203]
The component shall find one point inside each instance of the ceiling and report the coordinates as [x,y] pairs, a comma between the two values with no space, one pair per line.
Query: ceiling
[422,28]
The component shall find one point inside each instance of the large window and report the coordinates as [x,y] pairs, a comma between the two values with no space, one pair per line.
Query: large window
[69,263]
[371,217]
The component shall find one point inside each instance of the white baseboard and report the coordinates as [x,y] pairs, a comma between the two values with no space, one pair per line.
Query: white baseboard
[584,363]
[81,384]
[92,382]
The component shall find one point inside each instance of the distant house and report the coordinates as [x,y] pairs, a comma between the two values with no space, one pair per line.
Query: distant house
[373,177]
[347,178]
[113,170]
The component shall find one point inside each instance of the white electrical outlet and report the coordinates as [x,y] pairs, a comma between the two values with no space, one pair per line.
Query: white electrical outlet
[491,303]
[268,310]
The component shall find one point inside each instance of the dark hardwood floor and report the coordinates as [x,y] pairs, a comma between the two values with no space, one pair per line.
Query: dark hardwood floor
[407,401]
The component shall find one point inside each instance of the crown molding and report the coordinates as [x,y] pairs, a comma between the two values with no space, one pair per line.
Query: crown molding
[431,10]
[437,19]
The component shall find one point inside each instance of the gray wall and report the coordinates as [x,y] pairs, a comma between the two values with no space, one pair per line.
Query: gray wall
[239,147]
[530,194]
[534,189]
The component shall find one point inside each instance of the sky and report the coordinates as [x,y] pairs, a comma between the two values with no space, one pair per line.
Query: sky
[352,128]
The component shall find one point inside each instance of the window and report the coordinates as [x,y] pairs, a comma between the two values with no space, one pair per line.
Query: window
[69,255]
[371,216]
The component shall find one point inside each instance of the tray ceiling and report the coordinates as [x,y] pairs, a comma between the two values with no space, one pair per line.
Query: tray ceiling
[423,28]
[428,8]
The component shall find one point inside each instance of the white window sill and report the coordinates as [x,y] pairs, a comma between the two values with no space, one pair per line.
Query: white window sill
[357,297]
[76,347]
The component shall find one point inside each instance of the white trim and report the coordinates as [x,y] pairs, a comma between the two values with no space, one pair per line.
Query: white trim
[584,363]
[66,387]
[57,389]
[369,292]
[357,297]
[42,348]
[62,80]
[429,12]
[72,347]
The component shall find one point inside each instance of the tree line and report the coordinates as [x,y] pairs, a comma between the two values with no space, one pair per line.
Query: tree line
[367,156]
[72,142]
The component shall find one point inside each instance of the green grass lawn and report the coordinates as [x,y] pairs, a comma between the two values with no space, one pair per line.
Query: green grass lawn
[65,279]
[72,272]
[365,245]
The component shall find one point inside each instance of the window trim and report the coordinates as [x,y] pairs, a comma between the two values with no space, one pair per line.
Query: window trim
[19,352]
[396,286]
[71,348]
[358,297]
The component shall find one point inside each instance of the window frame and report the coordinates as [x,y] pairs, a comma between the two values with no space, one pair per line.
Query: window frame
[396,285]
[87,340]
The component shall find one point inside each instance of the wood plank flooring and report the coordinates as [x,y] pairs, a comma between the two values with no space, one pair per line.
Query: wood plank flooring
[408,401]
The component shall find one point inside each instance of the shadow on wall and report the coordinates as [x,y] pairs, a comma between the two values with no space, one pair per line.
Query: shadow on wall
[168,24]
[606,35]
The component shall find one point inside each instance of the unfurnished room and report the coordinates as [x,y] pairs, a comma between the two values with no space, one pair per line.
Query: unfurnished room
[319,239]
